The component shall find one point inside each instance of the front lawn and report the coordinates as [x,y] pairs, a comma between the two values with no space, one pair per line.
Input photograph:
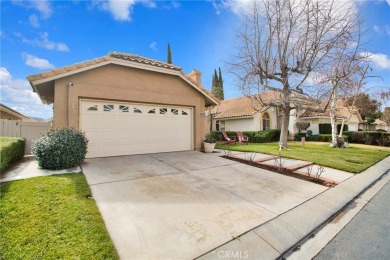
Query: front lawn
[52,217]
[354,159]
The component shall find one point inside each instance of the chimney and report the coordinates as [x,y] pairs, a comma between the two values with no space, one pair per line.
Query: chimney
[196,76]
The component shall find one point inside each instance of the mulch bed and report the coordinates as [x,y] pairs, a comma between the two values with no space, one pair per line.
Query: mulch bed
[284,171]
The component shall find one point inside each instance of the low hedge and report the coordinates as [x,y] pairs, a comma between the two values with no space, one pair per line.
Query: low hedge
[254,136]
[11,151]
[358,137]
[369,137]
[323,138]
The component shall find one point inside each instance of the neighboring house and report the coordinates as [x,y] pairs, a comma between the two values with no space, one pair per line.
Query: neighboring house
[8,113]
[127,104]
[246,114]
[378,124]
[350,116]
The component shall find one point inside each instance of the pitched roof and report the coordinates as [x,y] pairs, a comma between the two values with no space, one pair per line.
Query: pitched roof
[341,112]
[14,112]
[242,106]
[110,56]
[120,58]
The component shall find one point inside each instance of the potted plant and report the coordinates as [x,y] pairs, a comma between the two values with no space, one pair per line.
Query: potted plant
[209,143]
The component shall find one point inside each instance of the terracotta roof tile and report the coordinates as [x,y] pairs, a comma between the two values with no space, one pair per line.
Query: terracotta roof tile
[140,59]
[243,106]
[341,112]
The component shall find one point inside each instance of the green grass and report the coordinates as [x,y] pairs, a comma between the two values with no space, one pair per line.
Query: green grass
[52,217]
[354,159]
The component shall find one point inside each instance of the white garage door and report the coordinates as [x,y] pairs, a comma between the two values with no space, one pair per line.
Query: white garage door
[114,128]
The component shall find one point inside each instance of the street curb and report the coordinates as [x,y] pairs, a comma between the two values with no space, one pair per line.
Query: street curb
[273,239]
[372,175]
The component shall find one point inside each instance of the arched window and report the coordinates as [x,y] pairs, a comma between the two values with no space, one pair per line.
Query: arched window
[266,121]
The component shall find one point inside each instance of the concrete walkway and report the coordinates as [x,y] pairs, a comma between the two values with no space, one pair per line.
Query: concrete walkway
[28,168]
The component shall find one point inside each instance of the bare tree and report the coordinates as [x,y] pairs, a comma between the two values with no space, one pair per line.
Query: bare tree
[386,115]
[282,43]
[346,78]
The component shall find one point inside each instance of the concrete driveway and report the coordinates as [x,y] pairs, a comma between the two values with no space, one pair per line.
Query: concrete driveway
[180,205]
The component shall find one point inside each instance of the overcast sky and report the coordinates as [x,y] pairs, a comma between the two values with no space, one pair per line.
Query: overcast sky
[39,35]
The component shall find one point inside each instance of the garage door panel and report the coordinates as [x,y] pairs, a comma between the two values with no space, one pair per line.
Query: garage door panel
[130,128]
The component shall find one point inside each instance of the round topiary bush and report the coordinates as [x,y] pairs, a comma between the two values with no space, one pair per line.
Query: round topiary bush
[60,149]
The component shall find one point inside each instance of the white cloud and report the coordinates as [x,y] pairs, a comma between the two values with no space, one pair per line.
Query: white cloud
[388,2]
[44,42]
[38,63]
[18,95]
[238,7]
[382,29]
[121,10]
[153,46]
[43,6]
[34,21]
[379,60]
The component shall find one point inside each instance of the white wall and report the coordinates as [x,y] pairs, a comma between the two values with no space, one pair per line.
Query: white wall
[352,126]
[246,124]
[315,128]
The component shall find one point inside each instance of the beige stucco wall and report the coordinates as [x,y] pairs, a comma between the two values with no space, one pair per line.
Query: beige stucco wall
[114,82]
[5,115]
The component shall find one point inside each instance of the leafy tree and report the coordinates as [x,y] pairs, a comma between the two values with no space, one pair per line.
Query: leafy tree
[169,55]
[220,85]
[217,85]
[368,108]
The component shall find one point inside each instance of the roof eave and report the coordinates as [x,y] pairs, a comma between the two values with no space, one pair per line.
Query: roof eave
[235,117]
[111,60]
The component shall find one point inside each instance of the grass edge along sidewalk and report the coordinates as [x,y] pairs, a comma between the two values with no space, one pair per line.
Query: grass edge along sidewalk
[354,159]
[52,217]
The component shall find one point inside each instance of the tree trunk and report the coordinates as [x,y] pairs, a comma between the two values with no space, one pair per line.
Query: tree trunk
[284,128]
[211,122]
[342,128]
[333,120]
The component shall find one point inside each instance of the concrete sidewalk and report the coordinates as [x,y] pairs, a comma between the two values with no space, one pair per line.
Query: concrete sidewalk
[28,168]
[274,238]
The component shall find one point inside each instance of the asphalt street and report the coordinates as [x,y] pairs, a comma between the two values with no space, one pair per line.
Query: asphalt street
[367,236]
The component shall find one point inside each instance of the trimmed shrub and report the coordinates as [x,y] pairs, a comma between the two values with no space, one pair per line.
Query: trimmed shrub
[327,128]
[254,136]
[60,149]
[323,138]
[369,137]
[11,151]
[299,136]
[314,138]
[377,138]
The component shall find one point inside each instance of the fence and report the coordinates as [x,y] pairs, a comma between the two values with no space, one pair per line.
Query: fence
[27,130]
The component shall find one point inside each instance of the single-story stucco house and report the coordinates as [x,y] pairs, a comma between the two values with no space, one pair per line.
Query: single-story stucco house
[378,124]
[127,104]
[8,113]
[247,114]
